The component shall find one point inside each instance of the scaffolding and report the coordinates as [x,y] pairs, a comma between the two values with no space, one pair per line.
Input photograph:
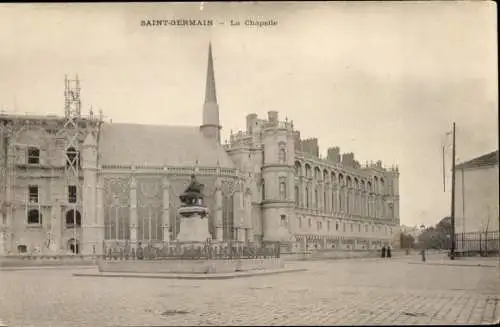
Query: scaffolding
[72,134]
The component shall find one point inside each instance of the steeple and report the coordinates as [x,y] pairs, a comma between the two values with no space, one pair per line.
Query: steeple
[210,92]
[211,125]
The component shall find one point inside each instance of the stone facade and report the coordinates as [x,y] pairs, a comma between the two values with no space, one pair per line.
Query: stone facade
[69,184]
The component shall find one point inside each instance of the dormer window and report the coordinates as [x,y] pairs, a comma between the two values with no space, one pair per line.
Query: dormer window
[33,155]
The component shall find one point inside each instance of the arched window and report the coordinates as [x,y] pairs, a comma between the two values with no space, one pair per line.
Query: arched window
[73,218]
[283,220]
[317,173]
[282,190]
[298,168]
[325,201]
[308,170]
[282,153]
[325,176]
[33,155]
[34,217]
[336,225]
[359,228]
[297,196]
[72,157]
[263,191]
[22,248]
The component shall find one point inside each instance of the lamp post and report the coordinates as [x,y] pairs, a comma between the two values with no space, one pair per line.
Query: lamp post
[452,252]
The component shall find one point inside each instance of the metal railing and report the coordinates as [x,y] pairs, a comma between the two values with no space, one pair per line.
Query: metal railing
[169,251]
[483,243]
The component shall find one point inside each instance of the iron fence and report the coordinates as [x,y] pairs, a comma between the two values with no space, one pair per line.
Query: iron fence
[169,251]
[478,242]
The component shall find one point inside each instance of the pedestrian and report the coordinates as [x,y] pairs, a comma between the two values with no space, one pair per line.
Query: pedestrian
[389,255]
[383,251]
[422,252]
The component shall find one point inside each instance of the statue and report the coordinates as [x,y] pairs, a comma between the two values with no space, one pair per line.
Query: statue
[193,195]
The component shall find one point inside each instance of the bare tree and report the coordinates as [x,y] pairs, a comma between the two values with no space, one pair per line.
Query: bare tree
[485,229]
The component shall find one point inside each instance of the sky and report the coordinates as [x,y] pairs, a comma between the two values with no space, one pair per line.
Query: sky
[384,80]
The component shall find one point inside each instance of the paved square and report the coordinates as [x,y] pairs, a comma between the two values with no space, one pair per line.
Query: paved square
[371,291]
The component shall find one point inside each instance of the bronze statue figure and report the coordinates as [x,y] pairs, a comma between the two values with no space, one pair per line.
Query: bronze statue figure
[193,195]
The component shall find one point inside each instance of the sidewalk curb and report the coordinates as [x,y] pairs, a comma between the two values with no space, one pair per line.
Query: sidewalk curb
[452,265]
[191,276]
[46,268]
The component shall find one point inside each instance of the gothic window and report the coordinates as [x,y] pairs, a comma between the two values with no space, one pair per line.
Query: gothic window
[297,196]
[33,194]
[382,186]
[336,226]
[34,217]
[72,157]
[228,230]
[282,153]
[72,193]
[325,200]
[282,190]
[283,220]
[33,155]
[73,218]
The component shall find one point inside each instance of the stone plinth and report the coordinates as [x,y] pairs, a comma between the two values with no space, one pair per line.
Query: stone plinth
[190,266]
[194,224]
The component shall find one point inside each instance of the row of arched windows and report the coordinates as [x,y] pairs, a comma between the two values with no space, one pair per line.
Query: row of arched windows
[73,217]
[319,226]
[377,186]
[72,156]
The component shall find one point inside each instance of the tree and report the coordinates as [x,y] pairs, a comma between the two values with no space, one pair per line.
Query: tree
[407,241]
[438,237]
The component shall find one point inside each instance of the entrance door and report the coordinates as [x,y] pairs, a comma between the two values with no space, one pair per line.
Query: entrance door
[73,246]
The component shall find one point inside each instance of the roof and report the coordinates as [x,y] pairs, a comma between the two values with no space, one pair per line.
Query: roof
[157,145]
[490,159]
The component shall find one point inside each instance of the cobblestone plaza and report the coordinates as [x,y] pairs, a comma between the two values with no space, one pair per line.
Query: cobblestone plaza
[366,291]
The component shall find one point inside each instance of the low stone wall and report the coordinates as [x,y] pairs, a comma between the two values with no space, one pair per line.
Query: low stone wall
[189,266]
[46,260]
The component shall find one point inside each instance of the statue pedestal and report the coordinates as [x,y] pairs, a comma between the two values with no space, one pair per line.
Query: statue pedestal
[193,228]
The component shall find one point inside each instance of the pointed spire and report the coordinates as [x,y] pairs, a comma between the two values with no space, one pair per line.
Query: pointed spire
[210,93]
